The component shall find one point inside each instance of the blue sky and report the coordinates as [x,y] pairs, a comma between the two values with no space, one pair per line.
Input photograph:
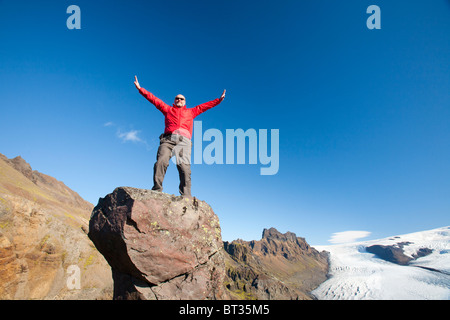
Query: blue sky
[363,115]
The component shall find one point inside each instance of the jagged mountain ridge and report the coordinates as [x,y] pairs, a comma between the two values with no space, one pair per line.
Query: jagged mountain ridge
[43,226]
[279,266]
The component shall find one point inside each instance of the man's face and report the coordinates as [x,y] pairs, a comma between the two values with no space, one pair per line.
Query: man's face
[180,101]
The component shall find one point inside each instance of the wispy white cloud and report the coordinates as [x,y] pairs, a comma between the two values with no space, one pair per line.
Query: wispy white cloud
[131,135]
[127,136]
[348,236]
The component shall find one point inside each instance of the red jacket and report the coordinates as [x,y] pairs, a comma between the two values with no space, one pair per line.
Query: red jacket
[178,120]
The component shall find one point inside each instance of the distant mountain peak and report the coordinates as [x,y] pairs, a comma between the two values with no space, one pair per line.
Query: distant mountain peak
[273,233]
[279,266]
[49,186]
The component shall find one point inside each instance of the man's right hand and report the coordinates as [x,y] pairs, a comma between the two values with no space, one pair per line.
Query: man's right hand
[136,83]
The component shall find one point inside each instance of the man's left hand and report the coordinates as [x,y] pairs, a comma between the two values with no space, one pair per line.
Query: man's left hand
[223,95]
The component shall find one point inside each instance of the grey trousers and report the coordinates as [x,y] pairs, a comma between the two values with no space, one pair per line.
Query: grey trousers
[180,147]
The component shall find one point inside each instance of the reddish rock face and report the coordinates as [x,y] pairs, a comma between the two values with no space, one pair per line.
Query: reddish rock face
[159,246]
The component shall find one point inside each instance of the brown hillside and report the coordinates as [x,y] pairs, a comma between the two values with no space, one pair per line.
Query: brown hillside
[43,226]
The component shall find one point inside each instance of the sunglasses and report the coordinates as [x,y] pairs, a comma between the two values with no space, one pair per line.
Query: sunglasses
[179,98]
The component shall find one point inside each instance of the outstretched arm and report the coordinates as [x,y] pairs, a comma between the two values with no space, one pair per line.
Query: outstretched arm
[158,103]
[207,105]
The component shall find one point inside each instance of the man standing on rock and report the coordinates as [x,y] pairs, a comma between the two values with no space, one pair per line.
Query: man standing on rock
[176,139]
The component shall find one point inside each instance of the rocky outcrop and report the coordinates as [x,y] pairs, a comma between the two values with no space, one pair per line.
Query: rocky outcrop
[279,266]
[159,246]
[395,254]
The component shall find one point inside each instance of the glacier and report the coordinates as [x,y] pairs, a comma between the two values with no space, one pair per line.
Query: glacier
[355,274]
